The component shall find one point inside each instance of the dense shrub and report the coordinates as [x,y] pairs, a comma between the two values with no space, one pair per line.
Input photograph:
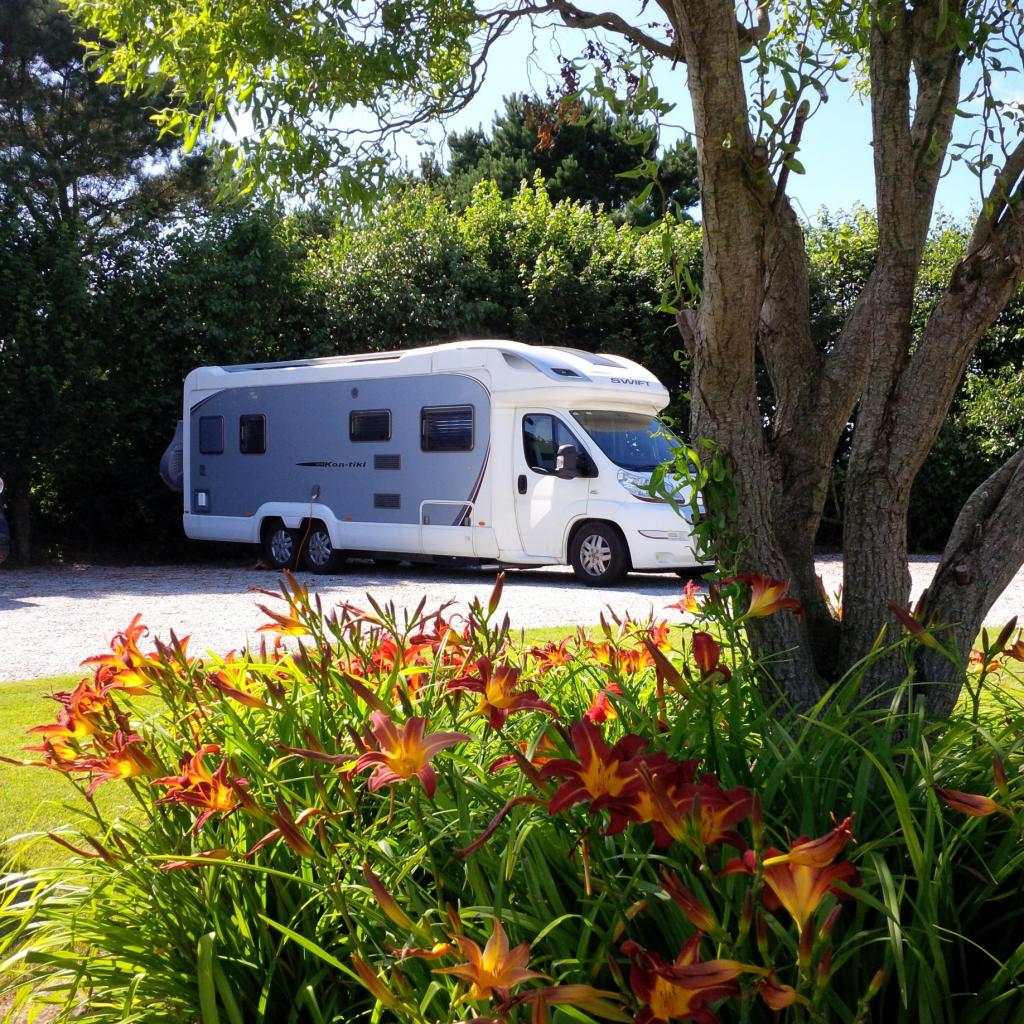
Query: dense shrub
[104,339]
[407,817]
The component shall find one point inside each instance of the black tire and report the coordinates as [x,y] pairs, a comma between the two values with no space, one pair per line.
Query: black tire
[598,555]
[280,545]
[319,555]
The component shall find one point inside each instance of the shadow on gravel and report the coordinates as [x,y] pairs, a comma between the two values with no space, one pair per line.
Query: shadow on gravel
[20,588]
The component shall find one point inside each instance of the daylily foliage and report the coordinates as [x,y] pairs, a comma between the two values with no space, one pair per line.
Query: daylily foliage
[454,827]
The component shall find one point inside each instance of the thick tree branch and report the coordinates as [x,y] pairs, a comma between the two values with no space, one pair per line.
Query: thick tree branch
[980,286]
[1007,182]
[575,17]
[984,553]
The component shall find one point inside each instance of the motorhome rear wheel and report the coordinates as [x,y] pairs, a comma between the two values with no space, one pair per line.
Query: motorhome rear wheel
[319,555]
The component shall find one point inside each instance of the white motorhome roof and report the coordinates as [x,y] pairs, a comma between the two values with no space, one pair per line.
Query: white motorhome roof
[512,366]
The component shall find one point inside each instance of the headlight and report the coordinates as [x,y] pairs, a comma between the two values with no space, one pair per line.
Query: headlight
[637,484]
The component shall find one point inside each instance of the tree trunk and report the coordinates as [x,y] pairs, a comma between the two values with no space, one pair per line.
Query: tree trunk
[21,524]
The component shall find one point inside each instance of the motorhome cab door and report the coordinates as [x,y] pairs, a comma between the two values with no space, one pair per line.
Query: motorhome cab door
[545,503]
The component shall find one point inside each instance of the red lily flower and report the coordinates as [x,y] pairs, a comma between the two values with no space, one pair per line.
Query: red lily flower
[197,786]
[707,654]
[766,596]
[778,996]
[702,813]
[604,777]
[974,804]
[499,697]
[601,708]
[403,752]
[681,990]
[493,971]
[695,911]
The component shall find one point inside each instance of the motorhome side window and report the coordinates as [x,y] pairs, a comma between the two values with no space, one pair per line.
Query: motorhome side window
[446,428]
[543,435]
[369,425]
[252,434]
[211,435]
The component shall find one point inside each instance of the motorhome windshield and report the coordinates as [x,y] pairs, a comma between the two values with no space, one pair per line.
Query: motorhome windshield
[631,440]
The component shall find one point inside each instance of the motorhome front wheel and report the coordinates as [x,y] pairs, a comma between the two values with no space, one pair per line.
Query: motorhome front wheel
[598,555]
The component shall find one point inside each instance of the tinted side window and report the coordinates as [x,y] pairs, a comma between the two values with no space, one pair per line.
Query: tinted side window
[447,428]
[211,435]
[370,425]
[543,435]
[252,434]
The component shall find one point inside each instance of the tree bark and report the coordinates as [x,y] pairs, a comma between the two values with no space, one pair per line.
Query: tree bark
[21,525]
[897,383]
[736,205]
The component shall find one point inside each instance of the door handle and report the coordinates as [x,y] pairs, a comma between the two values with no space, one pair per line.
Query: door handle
[521,483]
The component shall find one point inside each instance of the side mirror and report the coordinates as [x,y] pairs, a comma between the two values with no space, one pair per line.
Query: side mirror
[567,462]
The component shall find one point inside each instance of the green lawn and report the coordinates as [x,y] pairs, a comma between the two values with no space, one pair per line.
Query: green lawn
[36,799]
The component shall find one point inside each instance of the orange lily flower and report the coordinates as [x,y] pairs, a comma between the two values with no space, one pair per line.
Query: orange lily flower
[403,752]
[659,635]
[125,758]
[81,716]
[681,990]
[688,603]
[766,596]
[499,697]
[493,971]
[816,853]
[601,708]
[125,667]
[1016,649]
[552,655]
[601,775]
[373,984]
[197,786]
[800,879]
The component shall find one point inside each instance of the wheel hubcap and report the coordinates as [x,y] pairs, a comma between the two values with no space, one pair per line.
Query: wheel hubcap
[595,555]
[320,548]
[281,546]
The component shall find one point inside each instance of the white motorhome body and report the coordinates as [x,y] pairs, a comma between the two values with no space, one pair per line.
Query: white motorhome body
[439,452]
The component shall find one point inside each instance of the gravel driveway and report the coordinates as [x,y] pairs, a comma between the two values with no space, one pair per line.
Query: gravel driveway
[52,618]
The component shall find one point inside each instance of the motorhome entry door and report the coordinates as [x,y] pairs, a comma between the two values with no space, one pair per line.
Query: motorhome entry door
[545,503]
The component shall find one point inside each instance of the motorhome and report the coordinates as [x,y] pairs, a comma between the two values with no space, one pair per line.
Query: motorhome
[479,451]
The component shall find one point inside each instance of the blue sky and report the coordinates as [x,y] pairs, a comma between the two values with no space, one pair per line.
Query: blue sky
[836,146]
